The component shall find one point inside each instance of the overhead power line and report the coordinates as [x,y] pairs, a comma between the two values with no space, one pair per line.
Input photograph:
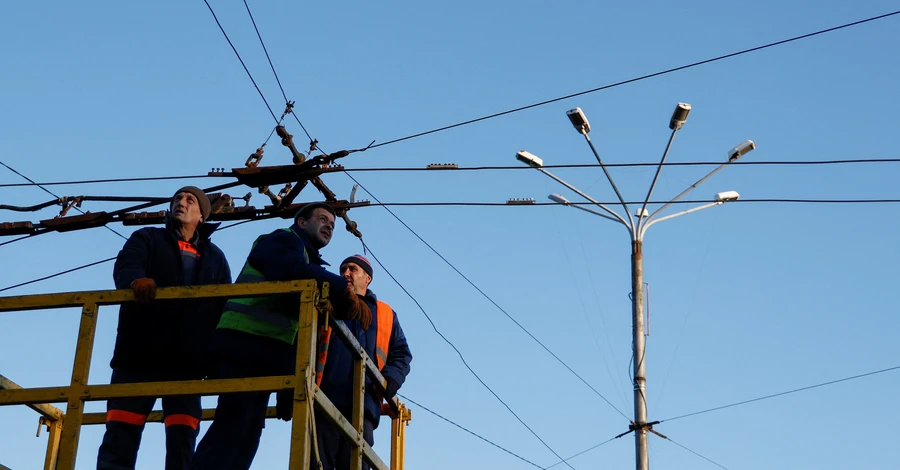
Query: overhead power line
[488,168]
[283,94]
[407,399]
[67,271]
[54,195]
[831,382]
[697,454]
[242,62]
[642,77]
[461,357]
[510,317]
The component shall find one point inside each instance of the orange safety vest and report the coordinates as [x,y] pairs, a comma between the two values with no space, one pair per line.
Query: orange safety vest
[384,317]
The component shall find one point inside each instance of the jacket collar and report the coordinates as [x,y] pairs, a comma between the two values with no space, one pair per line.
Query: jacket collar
[201,235]
[314,257]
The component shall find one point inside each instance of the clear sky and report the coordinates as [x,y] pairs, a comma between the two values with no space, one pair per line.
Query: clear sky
[747,299]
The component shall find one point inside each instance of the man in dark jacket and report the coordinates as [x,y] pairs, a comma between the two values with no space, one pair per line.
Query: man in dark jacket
[257,336]
[384,342]
[164,340]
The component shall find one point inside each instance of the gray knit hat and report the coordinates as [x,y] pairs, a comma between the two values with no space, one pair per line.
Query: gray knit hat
[202,198]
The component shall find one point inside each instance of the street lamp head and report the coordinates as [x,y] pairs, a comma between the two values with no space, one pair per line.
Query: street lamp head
[642,213]
[559,199]
[727,196]
[579,121]
[742,149]
[679,116]
[529,159]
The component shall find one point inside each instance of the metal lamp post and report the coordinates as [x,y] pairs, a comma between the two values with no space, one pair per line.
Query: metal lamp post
[637,228]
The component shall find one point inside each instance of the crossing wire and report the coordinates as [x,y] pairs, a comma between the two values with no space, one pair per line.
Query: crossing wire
[810,387]
[482,168]
[283,94]
[697,454]
[242,62]
[643,77]
[55,196]
[407,399]
[491,300]
[459,353]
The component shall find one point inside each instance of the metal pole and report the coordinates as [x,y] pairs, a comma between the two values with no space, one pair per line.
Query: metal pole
[642,460]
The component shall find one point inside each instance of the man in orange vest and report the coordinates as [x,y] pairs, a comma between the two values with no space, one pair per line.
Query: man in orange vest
[383,341]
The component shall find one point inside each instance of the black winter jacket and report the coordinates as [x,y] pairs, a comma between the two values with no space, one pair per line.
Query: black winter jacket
[169,337]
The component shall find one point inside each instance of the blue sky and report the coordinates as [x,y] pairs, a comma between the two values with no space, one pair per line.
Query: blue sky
[747,299]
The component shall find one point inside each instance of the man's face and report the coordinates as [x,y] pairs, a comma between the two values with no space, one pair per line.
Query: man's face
[319,227]
[355,274]
[186,210]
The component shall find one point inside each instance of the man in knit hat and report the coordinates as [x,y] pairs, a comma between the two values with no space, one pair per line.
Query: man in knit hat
[164,340]
[384,342]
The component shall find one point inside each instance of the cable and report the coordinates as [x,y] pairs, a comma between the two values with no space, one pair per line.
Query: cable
[782,393]
[463,359]
[584,451]
[698,455]
[637,79]
[242,62]
[472,433]
[85,265]
[286,100]
[58,274]
[54,195]
[482,168]
[504,204]
[110,180]
[491,300]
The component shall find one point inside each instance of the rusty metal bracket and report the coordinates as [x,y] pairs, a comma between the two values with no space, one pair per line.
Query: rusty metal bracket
[255,157]
[68,203]
[646,426]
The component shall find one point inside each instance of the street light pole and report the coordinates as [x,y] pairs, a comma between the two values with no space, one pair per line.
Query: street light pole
[642,459]
[636,230]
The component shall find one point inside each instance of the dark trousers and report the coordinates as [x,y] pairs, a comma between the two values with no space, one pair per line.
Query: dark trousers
[232,439]
[125,418]
[334,447]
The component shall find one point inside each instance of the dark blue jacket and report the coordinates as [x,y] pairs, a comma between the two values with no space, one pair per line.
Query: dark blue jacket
[168,335]
[337,378]
[279,257]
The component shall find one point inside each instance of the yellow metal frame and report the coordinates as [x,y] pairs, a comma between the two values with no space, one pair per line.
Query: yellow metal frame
[65,427]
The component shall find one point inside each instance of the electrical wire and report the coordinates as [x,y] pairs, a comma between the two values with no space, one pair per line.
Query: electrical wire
[640,78]
[492,300]
[697,454]
[889,369]
[584,451]
[242,62]
[533,204]
[283,94]
[459,353]
[472,433]
[84,265]
[54,195]
[58,274]
[482,168]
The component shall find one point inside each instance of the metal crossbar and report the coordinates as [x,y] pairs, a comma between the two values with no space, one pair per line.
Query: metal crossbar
[64,427]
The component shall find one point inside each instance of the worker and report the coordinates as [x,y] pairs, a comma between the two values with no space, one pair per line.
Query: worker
[384,342]
[257,336]
[164,340]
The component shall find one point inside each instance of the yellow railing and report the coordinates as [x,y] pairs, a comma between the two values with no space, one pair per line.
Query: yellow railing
[65,427]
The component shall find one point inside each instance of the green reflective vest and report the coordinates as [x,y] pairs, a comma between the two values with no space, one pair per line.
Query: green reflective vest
[274,317]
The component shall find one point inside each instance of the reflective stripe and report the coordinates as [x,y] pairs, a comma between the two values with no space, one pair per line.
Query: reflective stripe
[187,246]
[182,419]
[255,310]
[322,352]
[123,416]
[385,316]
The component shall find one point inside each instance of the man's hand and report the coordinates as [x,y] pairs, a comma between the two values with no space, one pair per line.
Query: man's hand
[144,290]
[284,405]
[357,308]
[391,389]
